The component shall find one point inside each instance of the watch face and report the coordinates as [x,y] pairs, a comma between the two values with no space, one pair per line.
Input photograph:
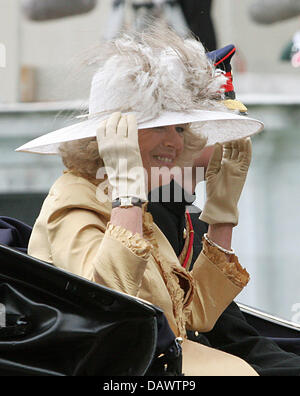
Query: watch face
[126,201]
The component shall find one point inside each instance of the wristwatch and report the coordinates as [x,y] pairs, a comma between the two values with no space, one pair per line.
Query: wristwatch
[127,202]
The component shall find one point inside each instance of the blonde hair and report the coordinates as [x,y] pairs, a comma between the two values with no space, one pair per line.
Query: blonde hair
[193,144]
[82,157]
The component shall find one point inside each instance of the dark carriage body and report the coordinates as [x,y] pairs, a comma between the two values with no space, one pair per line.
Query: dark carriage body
[60,324]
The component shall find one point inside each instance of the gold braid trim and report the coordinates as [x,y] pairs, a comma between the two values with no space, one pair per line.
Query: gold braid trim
[169,270]
[138,245]
[183,253]
[231,269]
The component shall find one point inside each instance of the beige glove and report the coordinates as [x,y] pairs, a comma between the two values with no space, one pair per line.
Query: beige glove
[119,149]
[225,178]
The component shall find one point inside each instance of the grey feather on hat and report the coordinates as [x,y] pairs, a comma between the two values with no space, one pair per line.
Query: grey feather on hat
[152,72]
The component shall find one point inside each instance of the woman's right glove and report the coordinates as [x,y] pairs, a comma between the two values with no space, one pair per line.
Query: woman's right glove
[119,149]
[225,178]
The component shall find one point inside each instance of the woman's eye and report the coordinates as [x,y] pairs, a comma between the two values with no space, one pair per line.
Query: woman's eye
[178,129]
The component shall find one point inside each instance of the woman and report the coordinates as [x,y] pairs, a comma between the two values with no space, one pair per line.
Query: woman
[115,242]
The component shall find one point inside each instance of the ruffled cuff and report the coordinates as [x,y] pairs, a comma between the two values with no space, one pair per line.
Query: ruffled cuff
[138,245]
[231,269]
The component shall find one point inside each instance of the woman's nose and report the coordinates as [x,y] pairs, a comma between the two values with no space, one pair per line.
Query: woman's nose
[172,138]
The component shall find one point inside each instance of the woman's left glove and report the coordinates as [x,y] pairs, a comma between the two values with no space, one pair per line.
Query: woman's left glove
[118,147]
[225,178]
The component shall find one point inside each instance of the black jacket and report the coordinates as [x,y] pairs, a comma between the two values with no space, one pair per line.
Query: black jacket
[232,333]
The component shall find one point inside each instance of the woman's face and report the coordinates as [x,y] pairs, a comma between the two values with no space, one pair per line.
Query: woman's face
[161,146]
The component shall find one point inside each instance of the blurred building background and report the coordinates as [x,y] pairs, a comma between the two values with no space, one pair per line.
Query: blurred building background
[45,52]
[42,87]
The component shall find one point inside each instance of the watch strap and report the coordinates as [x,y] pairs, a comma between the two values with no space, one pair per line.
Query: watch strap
[127,202]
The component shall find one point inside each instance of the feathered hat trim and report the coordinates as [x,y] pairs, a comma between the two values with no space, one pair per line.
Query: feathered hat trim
[163,79]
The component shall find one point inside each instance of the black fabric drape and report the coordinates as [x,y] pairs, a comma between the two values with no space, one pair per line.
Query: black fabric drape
[14,233]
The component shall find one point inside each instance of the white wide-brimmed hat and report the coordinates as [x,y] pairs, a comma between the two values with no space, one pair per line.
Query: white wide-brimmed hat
[162,79]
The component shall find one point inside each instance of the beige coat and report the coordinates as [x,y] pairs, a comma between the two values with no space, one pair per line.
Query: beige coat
[73,232]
